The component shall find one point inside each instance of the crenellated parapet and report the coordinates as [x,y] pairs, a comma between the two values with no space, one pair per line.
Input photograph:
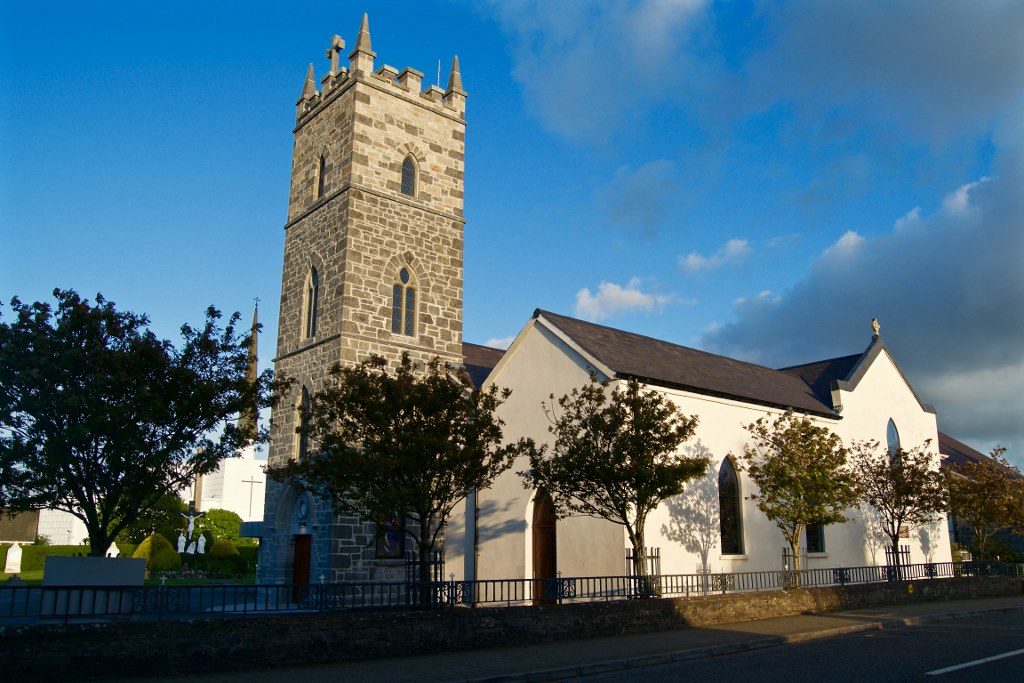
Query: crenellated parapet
[407,83]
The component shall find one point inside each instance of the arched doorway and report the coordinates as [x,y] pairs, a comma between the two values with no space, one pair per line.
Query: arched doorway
[545,560]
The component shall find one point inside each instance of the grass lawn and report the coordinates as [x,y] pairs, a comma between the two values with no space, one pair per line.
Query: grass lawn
[31,578]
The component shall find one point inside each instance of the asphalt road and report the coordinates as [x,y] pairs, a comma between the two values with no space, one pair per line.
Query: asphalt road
[903,654]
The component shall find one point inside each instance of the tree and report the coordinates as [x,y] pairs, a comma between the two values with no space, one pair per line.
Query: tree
[801,474]
[408,445]
[162,517]
[615,456]
[987,496]
[100,418]
[222,524]
[903,487]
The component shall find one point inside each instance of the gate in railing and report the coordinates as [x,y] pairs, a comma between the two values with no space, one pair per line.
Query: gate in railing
[648,584]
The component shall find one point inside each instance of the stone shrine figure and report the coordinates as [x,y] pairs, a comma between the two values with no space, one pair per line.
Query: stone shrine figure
[113,551]
[202,544]
[191,516]
[181,543]
[13,563]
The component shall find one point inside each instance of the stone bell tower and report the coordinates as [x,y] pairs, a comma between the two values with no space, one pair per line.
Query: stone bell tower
[372,265]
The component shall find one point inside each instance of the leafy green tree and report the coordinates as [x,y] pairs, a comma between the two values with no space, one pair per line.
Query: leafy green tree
[100,418]
[223,524]
[616,456]
[987,496]
[904,488]
[801,473]
[163,517]
[407,445]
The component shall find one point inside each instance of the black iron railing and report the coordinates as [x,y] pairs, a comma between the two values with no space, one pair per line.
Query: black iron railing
[34,604]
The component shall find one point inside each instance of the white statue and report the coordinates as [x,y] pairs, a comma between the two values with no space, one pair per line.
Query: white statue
[13,563]
[113,551]
[191,549]
[202,544]
[181,543]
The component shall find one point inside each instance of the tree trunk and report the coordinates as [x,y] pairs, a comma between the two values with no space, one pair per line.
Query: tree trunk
[98,542]
[639,557]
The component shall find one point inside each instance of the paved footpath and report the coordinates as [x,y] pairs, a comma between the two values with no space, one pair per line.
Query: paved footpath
[584,658]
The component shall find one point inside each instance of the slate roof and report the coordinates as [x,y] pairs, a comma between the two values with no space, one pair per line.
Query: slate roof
[957,453]
[660,362]
[480,360]
[820,374]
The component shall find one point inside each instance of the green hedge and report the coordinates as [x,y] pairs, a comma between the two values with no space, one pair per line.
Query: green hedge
[33,557]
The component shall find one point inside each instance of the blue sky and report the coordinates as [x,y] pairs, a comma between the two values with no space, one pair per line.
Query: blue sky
[758,179]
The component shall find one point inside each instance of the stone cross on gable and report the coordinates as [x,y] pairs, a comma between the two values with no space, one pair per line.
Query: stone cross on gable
[337,45]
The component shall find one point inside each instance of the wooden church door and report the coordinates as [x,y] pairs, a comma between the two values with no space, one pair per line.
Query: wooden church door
[300,565]
[544,547]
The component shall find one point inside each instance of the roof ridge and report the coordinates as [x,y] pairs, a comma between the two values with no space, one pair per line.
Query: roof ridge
[484,346]
[823,360]
[660,341]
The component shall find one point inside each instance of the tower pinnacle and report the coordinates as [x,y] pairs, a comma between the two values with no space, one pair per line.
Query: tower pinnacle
[248,420]
[455,78]
[363,39]
[309,87]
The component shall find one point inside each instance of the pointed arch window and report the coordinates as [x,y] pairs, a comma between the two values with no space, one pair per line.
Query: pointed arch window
[892,441]
[301,425]
[403,304]
[311,304]
[321,173]
[730,510]
[409,176]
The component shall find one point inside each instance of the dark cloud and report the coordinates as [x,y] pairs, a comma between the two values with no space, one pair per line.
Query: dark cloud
[940,69]
[948,288]
[637,200]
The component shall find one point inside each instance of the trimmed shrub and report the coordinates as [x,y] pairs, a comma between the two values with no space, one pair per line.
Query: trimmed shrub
[165,559]
[223,548]
[152,547]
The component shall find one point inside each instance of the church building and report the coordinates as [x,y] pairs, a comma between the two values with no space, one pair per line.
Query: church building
[373,265]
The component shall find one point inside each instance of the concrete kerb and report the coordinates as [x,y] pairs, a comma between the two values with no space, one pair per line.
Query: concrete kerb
[735,648]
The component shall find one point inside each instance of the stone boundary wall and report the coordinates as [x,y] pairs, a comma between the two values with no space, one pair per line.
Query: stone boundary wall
[53,652]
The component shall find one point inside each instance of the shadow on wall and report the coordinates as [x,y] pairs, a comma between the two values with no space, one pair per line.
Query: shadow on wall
[928,536]
[495,521]
[875,538]
[693,514]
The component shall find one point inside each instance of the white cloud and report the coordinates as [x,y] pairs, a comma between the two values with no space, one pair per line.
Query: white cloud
[500,342]
[956,202]
[733,253]
[845,247]
[612,299]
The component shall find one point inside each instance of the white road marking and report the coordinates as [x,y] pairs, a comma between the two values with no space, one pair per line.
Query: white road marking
[976,662]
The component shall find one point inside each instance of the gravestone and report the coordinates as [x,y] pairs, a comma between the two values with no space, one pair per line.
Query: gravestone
[13,563]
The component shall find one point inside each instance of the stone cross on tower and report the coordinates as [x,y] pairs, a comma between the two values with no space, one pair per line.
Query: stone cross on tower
[337,45]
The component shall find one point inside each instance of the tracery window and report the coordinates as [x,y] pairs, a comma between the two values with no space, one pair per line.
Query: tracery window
[403,304]
[310,304]
[409,176]
[730,509]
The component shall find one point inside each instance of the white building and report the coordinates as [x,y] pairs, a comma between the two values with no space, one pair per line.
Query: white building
[859,397]
[239,485]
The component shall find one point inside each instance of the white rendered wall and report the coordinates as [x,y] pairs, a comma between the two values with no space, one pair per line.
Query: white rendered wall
[62,528]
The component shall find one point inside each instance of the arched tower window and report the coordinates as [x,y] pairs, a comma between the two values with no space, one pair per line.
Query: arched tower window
[730,512]
[321,173]
[409,176]
[301,423]
[892,439]
[403,304]
[310,304]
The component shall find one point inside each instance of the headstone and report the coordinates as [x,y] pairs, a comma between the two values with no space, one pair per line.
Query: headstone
[13,563]
[113,550]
